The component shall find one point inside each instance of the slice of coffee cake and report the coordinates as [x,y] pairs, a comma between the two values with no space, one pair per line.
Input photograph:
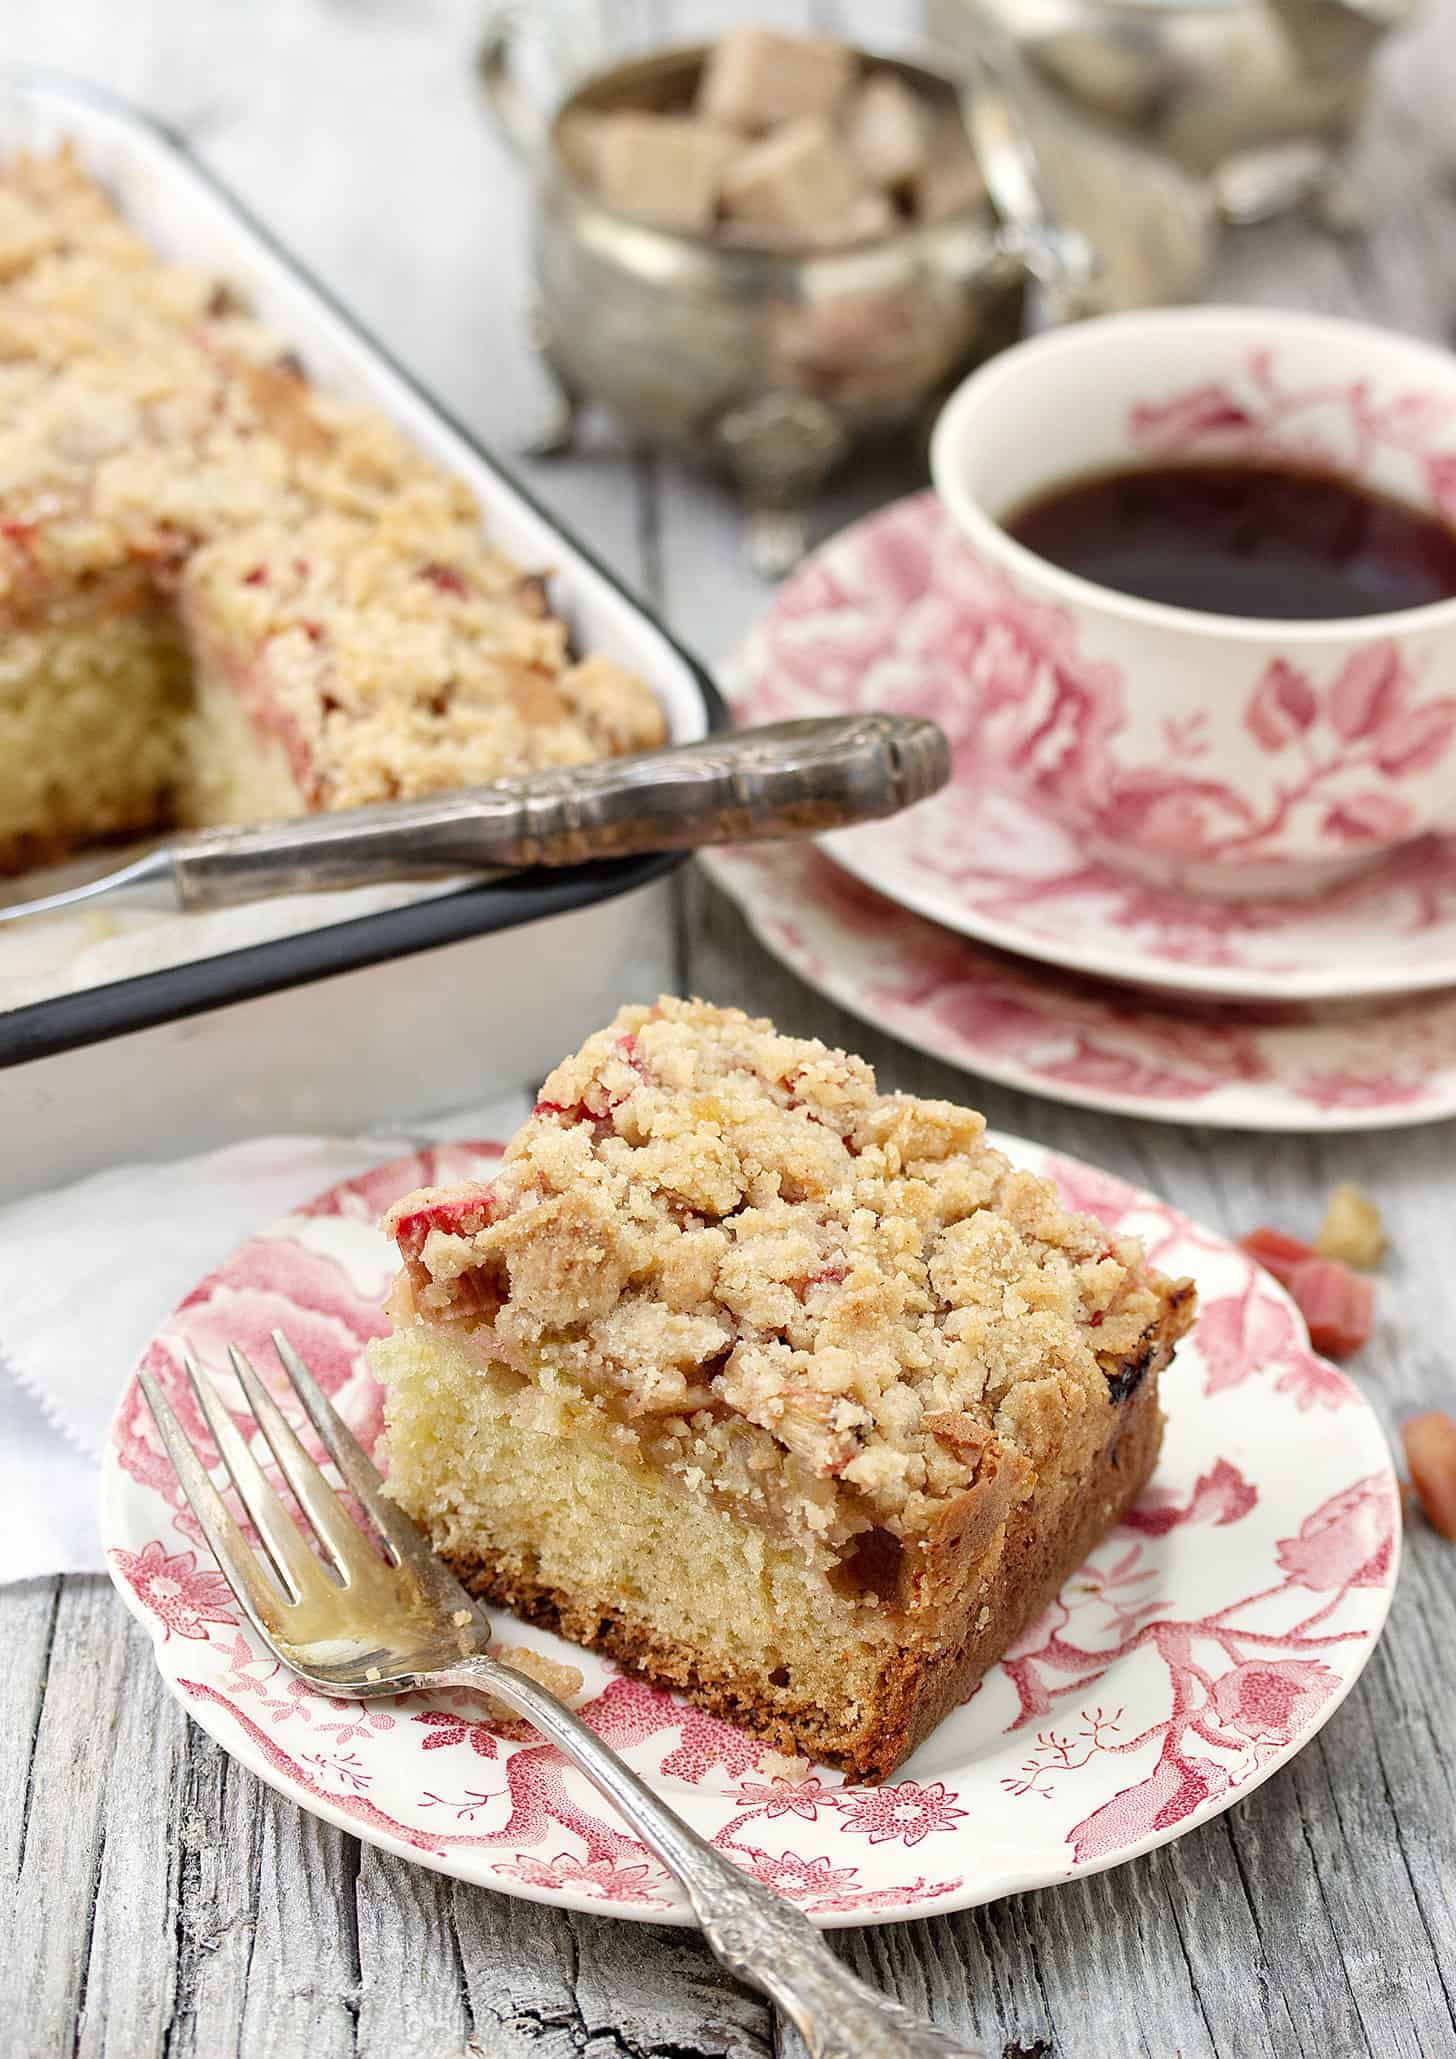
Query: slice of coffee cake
[794,1395]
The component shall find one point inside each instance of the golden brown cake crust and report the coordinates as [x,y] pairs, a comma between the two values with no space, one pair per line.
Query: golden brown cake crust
[915,1695]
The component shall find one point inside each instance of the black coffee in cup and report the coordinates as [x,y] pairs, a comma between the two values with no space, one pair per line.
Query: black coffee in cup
[1242,539]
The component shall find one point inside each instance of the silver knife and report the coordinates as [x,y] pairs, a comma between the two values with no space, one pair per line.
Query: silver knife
[786,779]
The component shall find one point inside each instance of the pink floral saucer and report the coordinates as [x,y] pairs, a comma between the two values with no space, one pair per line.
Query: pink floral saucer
[890,615]
[1258,1066]
[1173,1675]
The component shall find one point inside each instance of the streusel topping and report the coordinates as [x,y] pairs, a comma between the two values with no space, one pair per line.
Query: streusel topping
[151,428]
[732,1240]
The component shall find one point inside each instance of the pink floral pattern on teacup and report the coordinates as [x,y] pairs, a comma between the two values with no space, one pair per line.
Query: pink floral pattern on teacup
[1338,743]
[1242,756]
[1344,425]
[862,625]
[1028,695]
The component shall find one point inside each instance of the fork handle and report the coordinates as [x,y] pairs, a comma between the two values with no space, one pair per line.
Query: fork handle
[752,1931]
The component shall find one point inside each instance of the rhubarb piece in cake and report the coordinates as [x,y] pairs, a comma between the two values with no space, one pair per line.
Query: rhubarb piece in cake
[794,1395]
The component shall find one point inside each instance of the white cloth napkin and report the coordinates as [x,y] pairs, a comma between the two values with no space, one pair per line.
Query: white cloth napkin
[88,1272]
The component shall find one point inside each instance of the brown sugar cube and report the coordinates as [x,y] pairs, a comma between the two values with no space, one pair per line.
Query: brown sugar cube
[872,215]
[801,183]
[887,129]
[756,78]
[578,143]
[663,169]
[950,179]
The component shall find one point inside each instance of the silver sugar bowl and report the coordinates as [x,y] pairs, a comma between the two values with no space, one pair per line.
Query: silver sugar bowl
[769,366]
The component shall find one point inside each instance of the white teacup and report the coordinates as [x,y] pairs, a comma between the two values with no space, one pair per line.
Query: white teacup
[1219,752]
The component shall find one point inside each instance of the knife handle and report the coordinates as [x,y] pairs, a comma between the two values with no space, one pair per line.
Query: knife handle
[786,779]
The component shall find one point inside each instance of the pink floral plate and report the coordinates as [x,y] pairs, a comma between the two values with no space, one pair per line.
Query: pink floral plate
[892,614]
[1302,1065]
[1176,1672]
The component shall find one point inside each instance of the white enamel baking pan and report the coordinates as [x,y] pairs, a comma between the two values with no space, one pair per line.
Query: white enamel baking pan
[365,1022]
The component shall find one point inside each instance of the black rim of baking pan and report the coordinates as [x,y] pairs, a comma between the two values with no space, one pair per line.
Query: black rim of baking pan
[64,1022]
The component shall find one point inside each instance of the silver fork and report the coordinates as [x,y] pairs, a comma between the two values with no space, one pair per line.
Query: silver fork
[390,1617]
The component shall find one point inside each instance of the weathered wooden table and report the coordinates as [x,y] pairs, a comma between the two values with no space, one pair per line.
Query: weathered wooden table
[153,1897]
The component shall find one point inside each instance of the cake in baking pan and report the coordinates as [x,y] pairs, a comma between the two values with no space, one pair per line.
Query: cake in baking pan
[225,594]
[794,1395]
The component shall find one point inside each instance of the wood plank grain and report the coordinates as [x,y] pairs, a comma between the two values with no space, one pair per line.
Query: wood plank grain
[412,1998]
[302,1983]
[131,1962]
[30,1610]
[544,1982]
[267,1954]
[54,1892]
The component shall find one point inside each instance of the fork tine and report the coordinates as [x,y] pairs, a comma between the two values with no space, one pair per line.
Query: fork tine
[295,1564]
[234,1555]
[339,1535]
[354,1463]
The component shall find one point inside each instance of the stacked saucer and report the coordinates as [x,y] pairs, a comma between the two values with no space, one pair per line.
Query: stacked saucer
[983,930]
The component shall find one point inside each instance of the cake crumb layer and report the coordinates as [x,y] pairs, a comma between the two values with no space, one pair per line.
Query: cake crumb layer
[842,1307]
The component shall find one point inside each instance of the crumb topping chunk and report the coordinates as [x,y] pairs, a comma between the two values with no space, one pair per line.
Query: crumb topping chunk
[834,1300]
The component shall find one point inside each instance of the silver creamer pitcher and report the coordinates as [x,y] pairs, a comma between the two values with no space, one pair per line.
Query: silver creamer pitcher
[1259,99]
